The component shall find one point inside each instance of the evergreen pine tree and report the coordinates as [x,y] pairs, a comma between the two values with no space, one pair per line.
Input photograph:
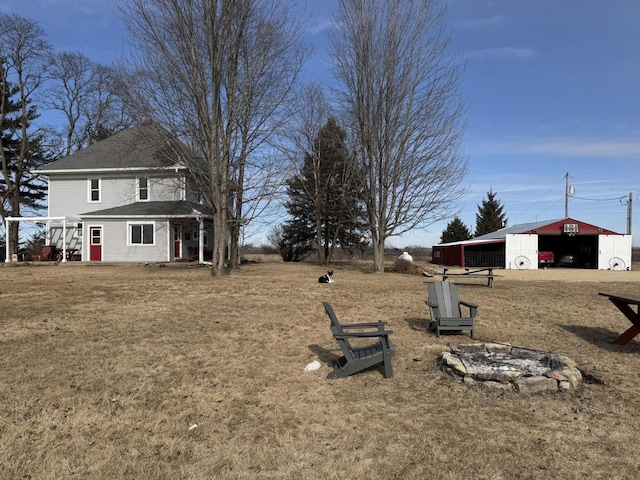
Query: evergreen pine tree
[19,186]
[456,231]
[490,216]
[324,198]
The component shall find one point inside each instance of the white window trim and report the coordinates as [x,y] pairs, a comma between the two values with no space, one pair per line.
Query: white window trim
[131,244]
[89,190]
[138,189]
[183,187]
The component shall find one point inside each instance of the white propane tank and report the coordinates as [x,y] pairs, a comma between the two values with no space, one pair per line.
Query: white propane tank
[406,256]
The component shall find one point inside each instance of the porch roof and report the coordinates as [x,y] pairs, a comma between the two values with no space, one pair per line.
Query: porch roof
[164,209]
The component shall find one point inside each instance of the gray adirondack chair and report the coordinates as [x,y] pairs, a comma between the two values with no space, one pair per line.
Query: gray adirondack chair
[354,359]
[446,311]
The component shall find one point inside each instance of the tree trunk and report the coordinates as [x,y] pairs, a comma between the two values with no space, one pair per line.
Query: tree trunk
[13,234]
[219,243]
[234,245]
[378,255]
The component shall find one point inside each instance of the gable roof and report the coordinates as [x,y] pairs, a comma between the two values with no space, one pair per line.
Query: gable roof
[516,229]
[162,209]
[544,227]
[144,147]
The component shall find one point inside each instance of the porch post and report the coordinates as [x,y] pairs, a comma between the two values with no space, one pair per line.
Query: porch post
[200,240]
[6,241]
[64,240]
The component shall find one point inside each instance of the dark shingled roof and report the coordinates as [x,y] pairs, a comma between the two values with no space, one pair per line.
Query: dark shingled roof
[144,146]
[154,209]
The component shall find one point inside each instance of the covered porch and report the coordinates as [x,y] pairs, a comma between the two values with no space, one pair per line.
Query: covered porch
[68,252]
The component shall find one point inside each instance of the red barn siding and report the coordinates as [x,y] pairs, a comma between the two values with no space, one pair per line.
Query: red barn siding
[452,255]
[556,228]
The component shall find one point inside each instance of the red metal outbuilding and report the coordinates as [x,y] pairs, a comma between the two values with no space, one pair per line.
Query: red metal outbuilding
[589,246]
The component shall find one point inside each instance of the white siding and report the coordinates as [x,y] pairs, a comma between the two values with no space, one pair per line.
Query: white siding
[115,248]
[69,195]
[614,252]
[165,188]
[521,252]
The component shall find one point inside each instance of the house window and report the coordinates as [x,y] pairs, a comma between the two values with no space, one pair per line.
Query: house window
[141,233]
[143,189]
[78,230]
[94,189]
[205,236]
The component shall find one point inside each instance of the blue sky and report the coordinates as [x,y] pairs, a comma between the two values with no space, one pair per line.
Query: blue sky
[551,87]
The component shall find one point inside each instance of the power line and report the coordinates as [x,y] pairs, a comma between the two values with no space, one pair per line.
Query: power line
[599,199]
[542,197]
[551,206]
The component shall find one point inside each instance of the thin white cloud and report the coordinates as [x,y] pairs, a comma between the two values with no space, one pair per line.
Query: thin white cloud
[588,149]
[87,7]
[486,22]
[501,53]
[320,26]
[573,147]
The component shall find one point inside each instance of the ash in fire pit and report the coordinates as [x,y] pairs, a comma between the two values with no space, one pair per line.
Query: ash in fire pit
[507,367]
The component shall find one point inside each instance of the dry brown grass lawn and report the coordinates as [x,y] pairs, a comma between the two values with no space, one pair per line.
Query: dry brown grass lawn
[104,369]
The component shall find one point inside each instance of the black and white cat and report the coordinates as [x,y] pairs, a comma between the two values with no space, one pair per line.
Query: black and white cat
[328,278]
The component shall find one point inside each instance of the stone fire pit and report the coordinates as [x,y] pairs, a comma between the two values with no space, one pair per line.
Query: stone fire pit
[507,367]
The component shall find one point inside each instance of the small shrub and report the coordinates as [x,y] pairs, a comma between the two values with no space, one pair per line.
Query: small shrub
[407,267]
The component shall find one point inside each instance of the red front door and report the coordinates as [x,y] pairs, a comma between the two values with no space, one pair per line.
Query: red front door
[95,244]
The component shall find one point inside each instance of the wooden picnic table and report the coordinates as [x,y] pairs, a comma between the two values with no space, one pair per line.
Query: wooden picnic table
[478,273]
[72,254]
[624,303]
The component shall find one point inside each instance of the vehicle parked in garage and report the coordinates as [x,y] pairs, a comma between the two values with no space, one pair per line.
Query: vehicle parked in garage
[569,260]
[545,259]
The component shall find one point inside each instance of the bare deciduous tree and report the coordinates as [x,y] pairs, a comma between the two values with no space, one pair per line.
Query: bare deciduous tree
[400,85]
[72,78]
[81,91]
[217,72]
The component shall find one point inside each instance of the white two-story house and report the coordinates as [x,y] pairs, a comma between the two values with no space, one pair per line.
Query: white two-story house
[128,197]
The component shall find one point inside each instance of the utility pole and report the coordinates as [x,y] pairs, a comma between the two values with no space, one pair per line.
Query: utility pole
[629,210]
[567,192]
